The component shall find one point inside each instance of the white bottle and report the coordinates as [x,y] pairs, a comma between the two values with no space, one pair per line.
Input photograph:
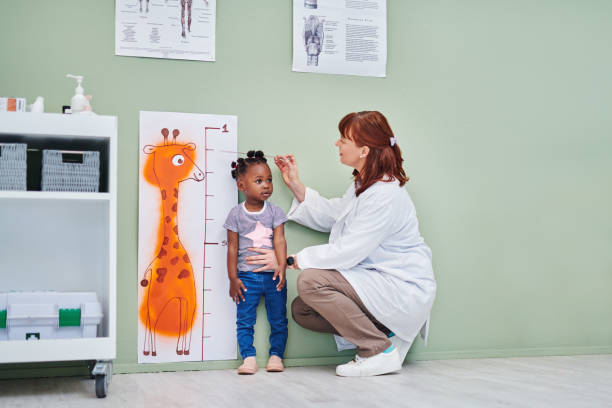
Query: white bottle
[78,101]
[38,106]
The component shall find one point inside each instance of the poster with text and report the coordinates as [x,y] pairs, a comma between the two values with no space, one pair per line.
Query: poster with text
[175,29]
[185,193]
[340,37]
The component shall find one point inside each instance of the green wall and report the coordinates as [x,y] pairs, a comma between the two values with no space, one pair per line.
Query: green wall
[502,109]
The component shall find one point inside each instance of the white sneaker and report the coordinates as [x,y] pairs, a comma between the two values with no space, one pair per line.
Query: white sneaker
[402,347]
[381,363]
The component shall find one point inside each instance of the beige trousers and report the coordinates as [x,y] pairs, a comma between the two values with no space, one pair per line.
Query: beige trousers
[327,303]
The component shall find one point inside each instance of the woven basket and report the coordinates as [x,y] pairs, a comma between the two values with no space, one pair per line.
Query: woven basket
[13,166]
[58,174]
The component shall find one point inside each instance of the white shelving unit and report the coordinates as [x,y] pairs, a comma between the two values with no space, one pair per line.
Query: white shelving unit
[63,241]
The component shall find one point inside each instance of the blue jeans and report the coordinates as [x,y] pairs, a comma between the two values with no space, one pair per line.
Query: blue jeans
[260,284]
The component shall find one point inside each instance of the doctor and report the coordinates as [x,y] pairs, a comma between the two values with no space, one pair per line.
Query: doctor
[373,283]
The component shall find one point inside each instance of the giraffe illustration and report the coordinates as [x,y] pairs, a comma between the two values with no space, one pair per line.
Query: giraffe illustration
[169,303]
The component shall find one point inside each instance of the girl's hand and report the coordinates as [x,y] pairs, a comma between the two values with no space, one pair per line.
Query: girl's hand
[236,288]
[267,259]
[289,170]
[280,273]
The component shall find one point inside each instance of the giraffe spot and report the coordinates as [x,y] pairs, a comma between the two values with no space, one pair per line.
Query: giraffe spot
[174,207]
[176,245]
[162,253]
[183,274]
[174,260]
[186,258]
[166,239]
[168,219]
[163,194]
[175,193]
[175,229]
[161,274]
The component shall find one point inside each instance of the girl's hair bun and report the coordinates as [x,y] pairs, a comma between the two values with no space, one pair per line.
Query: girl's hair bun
[253,157]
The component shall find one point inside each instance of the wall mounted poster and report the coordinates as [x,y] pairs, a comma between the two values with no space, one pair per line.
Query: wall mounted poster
[340,37]
[176,29]
[185,193]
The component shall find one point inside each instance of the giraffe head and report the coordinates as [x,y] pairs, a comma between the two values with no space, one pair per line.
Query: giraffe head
[170,163]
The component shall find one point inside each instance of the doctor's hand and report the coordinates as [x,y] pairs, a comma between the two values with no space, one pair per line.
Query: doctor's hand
[289,170]
[267,259]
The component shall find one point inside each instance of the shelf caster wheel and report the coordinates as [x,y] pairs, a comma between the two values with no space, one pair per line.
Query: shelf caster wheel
[101,385]
[102,373]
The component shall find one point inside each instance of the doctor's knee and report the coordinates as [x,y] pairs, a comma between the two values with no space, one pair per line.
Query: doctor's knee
[307,282]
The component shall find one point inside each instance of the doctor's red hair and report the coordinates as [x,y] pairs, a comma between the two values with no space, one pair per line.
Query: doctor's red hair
[370,128]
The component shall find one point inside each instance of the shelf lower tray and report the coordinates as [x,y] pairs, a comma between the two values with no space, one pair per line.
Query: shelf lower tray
[24,351]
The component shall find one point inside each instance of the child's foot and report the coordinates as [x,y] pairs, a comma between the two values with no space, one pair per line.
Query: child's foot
[275,364]
[249,366]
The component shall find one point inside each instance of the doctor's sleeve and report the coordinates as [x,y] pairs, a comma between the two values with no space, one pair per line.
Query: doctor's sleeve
[370,226]
[315,211]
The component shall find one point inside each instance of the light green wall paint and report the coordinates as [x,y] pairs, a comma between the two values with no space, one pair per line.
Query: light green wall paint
[502,109]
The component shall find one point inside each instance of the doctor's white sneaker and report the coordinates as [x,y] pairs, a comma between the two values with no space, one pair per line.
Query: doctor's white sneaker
[381,363]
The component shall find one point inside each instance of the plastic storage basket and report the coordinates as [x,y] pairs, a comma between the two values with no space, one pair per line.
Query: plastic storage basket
[13,167]
[70,171]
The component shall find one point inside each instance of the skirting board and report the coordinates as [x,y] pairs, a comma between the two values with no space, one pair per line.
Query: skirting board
[72,369]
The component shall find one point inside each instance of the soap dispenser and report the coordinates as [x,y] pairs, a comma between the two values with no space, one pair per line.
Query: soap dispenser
[78,102]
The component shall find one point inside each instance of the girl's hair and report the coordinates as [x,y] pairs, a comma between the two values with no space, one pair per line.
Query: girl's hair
[253,157]
[370,128]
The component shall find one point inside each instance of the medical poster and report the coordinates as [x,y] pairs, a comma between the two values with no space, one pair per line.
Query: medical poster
[175,29]
[185,193]
[340,37]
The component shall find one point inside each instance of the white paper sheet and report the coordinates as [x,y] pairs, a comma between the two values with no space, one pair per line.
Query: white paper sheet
[197,209]
[175,29]
[340,37]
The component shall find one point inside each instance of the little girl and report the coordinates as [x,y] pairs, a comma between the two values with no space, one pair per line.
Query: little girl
[255,223]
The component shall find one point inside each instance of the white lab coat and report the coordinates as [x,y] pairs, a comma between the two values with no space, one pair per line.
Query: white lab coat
[375,243]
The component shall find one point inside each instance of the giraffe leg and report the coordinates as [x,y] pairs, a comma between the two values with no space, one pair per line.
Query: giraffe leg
[154,339]
[187,332]
[179,348]
[147,337]
[190,317]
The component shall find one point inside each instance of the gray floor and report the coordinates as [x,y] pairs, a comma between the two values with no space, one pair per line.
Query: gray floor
[577,381]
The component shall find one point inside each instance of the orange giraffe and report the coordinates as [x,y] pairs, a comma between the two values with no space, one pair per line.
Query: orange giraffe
[169,304]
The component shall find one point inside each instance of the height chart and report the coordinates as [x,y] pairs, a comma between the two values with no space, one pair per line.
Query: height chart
[185,193]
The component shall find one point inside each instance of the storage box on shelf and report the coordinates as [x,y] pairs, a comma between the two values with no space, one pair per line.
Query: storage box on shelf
[49,315]
[70,171]
[13,166]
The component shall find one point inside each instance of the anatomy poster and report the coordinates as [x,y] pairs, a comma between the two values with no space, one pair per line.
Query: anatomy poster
[185,193]
[340,37]
[176,29]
